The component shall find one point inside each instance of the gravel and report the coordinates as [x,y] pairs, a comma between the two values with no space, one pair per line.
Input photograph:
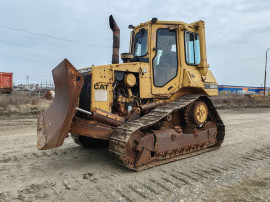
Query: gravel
[238,171]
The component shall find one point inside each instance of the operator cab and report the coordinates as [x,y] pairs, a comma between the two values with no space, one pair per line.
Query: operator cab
[173,51]
[164,59]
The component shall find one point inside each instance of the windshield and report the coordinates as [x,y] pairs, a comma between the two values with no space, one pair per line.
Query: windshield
[140,43]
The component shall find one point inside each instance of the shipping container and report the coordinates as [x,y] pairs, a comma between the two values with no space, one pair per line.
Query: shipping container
[6,82]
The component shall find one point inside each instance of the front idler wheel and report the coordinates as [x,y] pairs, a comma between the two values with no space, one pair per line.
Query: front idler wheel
[196,114]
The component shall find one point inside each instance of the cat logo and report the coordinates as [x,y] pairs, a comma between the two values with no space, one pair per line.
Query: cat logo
[101,86]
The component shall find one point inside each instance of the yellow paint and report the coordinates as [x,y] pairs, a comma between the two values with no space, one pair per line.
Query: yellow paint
[190,79]
[102,75]
[130,80]
[201,112]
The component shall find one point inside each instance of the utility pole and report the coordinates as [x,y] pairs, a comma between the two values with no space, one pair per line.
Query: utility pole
[27,80]
[265,73]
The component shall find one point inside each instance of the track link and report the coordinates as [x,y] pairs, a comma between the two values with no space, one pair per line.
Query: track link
[122,134]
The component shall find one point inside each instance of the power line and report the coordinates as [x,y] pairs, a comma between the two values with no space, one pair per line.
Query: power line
[53,37]
[89,44]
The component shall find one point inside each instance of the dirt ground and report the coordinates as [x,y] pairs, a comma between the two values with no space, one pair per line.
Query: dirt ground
[238,171]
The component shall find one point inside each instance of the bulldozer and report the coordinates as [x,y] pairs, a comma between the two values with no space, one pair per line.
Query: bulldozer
[151,109]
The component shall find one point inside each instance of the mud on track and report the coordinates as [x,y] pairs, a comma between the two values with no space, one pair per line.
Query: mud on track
[239,170]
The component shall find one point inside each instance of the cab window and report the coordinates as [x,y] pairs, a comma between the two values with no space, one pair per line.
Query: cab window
[192,44]
[140,43]
[165,60]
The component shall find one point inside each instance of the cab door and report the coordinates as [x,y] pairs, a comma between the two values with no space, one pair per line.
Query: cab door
[165,60]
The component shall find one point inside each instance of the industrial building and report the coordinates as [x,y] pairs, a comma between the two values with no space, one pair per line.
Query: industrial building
[224,89]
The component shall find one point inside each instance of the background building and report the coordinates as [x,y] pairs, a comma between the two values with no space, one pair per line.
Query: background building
[228,89]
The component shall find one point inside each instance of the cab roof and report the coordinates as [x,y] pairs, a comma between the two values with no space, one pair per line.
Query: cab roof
[166,23]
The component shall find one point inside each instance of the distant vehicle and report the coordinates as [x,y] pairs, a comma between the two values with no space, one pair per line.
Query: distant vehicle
[6,82]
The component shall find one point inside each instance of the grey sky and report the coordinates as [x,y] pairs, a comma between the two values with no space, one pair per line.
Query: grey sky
[237,34]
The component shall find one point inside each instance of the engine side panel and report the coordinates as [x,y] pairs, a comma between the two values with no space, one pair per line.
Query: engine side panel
[144,71]
[102,81]
[102,88]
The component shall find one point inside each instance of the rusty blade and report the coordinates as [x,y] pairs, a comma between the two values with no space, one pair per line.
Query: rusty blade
[54,123]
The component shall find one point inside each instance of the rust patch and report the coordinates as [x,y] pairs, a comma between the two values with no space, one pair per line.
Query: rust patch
[107,117]
[91,129]
[53,124]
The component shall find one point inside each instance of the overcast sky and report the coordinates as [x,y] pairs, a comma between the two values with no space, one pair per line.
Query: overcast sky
[237,34]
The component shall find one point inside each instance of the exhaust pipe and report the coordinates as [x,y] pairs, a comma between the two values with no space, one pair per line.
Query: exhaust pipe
[116,40]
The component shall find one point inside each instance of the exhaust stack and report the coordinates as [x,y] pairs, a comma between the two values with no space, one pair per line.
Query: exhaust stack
[116,40]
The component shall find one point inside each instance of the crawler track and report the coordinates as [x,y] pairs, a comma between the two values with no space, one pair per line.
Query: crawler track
[122,134]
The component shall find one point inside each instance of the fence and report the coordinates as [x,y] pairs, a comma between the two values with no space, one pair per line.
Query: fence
[35,90]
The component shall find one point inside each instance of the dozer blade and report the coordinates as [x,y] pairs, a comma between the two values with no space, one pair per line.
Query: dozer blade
[54,123]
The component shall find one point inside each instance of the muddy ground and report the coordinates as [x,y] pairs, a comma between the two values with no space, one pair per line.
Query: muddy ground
[238,171]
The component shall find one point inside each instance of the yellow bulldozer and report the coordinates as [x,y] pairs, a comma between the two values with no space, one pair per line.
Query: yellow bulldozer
[152,109]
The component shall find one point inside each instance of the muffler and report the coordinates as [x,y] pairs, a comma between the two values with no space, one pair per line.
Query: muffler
[116,40]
